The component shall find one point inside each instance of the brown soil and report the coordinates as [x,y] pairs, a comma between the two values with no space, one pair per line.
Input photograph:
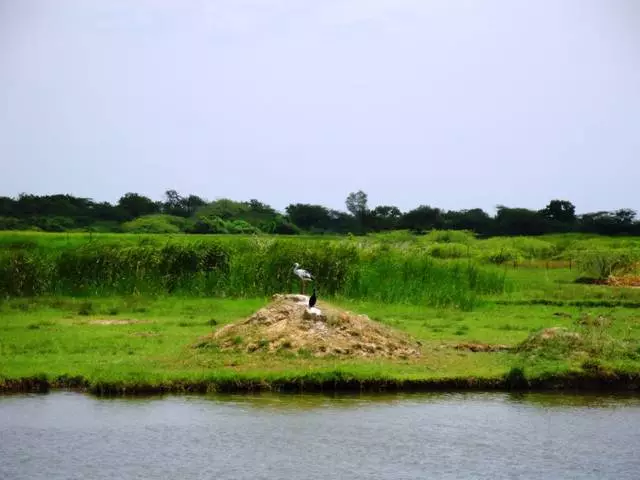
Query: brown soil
[624,281]
[112,321]
[628,281]
[481,347]
[287,324]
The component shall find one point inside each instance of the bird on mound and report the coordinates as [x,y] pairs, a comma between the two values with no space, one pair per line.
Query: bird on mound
[313,298]
[302,274]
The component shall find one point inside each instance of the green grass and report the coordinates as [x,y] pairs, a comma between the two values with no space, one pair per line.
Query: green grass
[443,288]
[53,338]
[244,268]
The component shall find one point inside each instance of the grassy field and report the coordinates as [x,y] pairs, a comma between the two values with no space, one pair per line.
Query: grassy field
[124,313]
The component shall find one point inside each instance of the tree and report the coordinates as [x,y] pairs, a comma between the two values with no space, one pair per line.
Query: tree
[520,221]
[191,204]
[134,205]
[309,217]
[476,220]
[7,206]
[384,217]
[226,209]
[357,203]
[625,216]
[561,211]
[610,223]
[422,218]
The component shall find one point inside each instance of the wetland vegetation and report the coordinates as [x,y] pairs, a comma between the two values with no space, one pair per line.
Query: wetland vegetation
[117,312]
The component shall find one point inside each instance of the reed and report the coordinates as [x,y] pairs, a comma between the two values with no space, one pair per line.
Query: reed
[247,267]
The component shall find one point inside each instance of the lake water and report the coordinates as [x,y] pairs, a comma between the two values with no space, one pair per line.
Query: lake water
[492,436]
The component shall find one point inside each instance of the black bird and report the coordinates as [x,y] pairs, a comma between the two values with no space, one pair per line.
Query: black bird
[312,298]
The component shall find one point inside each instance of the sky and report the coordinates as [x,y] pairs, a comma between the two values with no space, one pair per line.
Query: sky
[450,103]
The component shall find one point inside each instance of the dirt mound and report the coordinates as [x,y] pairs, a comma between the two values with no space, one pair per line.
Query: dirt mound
[287,324]
[547,336]
[624,281]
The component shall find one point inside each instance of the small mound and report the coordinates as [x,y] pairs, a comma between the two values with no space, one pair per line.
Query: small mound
[550,336]
[632,281]
[288,324]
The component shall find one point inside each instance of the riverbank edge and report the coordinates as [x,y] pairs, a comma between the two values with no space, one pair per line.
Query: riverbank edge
[514,381]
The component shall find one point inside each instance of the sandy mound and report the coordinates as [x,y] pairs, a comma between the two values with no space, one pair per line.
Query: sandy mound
[287,324]
[114,321]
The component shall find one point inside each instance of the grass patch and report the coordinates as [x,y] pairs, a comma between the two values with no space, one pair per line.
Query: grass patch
[158,350]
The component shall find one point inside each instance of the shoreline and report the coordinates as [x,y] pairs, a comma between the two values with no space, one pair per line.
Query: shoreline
[563,383]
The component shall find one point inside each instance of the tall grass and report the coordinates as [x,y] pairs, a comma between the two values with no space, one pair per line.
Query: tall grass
[247,267]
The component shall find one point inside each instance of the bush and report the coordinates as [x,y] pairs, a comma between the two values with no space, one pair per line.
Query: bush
[240,226]
[601,264]
[450,236]
[533,248]
[154,224]
[501,256]
[448,250]
[11,223]
[208,224]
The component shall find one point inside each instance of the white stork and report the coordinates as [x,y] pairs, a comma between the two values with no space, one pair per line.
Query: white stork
[302,274]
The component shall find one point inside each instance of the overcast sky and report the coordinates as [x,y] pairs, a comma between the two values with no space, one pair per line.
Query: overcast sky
[451,103]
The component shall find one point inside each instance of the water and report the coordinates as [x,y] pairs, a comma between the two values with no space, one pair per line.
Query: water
[493,436]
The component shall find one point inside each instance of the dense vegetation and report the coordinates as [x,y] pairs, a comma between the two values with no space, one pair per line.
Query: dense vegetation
[125,312]
[34,264]
[136,213]
[442,268]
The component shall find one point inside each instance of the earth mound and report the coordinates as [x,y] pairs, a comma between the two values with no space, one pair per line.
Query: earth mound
[553,336]
[288,324]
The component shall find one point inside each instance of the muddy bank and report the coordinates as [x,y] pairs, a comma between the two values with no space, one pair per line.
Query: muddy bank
[336,382]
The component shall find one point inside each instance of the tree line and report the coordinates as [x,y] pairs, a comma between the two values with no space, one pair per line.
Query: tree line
[193,214]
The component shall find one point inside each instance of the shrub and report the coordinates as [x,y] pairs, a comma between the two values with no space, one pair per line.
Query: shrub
[533,248]
[450,236]
[208,224]
[153,224]
[448,250]
[601,264]
[240,226]
[501,256]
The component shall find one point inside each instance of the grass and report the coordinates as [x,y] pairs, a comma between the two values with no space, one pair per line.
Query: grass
[246,268]
[125,312]
[49,338]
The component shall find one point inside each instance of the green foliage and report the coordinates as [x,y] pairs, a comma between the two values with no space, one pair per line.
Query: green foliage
[449,250]
[134,205]
[11,223]
[240,226]
[601,264]
[498,257]
[533,248]
[561,211]
[154,224]
[254,267]
[208,224]
[58,213]
[450,236]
